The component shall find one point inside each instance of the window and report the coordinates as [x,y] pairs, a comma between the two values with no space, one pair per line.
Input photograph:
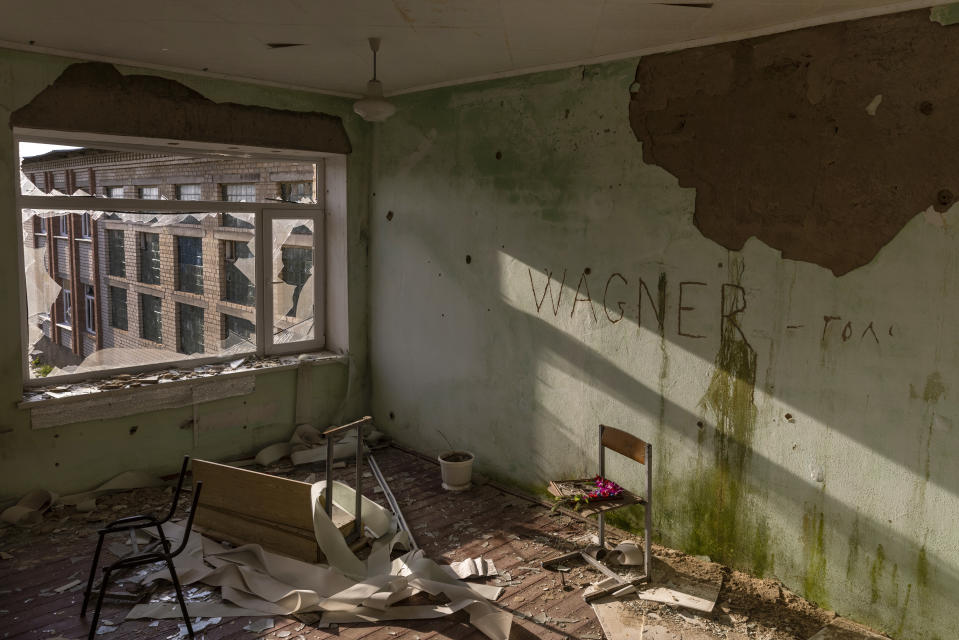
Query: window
[237,330]
[41,225]
[116,254]
[238,287]
[296,191]
[189,264]
[244,277]
[89,308]
[244,192]
[151,318]
[85,225]
[149,258]
[189,328]
[67,301]
[188,192]
[118,308]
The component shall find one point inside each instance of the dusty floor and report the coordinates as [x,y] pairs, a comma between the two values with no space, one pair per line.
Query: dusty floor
[516,533]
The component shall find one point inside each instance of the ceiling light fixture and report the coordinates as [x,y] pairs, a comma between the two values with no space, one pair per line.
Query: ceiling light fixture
[373,107]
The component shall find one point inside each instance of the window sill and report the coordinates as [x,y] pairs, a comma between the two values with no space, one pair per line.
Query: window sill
[61,237]
[85,239]
[68,327]
[126,394]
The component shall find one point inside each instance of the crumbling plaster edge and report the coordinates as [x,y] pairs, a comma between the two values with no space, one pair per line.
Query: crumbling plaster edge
[111,395]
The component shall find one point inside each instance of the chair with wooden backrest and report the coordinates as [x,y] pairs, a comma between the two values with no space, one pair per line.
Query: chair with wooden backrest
[642,452]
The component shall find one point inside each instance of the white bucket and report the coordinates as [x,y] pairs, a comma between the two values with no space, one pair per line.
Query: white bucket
[456,475]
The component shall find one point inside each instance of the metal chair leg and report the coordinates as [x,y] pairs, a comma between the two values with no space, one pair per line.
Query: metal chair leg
[179,596]
[96,611]
[93,573]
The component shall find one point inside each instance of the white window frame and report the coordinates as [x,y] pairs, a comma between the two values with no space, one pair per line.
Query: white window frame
[67,305]
[89,310]
[264,213]
[85,226]
[111,189]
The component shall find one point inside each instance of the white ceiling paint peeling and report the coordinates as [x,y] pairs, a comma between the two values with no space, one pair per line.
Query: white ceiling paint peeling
[426,43]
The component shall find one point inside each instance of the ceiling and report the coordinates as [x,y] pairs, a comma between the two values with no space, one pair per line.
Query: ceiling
[425,43]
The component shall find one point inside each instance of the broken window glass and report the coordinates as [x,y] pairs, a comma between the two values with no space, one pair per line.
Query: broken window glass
[214,260]
[292,280]
[237,330]
[189,264]
[297,191]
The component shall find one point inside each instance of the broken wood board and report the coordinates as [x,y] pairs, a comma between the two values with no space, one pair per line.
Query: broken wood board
[242,506]
[127,402]
[841,629]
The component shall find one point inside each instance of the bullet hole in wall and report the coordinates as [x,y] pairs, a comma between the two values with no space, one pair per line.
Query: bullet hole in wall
[499,155]
[56,464]
[133,429]
[925,107]
[789,417]
[469,258]
[719,265]
[389,215]
[699,424]
[944,197]
[56,435]
[587,271]
[392,416]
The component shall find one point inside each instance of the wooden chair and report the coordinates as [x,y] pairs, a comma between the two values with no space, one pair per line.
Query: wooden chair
[640,451]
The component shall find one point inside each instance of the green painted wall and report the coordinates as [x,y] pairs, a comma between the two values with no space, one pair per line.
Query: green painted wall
[820,452]
[80,456]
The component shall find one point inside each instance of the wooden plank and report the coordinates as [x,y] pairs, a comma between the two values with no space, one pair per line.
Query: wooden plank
[238,530]
[254,494]
[624,443]
[127,402]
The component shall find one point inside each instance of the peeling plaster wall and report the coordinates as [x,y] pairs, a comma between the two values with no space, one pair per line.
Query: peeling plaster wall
[82,455]
[532,277]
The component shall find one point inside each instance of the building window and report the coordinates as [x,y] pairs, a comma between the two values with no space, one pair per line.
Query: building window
[151,318]
[118,308]
[189,328]
[296,191]
[149,258]
[89,309]
[242,192]
[237,330]
[67,302]
[297,268]
[189,252]
[85,225]
[215,289]
[238,287]
[116,254]
[188,192]
[148,193]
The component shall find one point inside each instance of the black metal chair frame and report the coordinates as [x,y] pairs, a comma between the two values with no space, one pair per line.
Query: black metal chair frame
[164,554]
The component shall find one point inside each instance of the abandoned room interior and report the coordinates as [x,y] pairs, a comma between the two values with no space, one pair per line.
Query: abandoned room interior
[505,319]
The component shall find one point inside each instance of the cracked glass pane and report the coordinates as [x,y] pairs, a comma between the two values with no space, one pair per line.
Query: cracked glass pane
[292,280]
